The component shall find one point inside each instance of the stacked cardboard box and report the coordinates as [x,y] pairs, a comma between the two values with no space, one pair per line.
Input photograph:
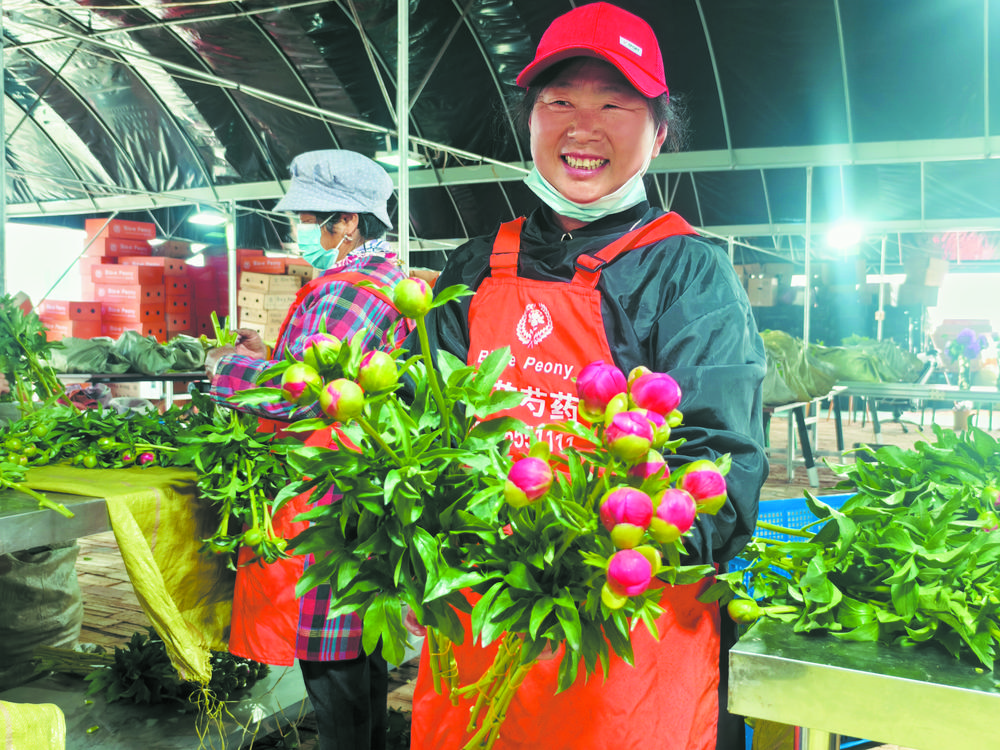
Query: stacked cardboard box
[76,319]
[264,299]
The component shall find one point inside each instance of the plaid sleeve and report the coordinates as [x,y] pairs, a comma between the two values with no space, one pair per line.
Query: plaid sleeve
[339,308]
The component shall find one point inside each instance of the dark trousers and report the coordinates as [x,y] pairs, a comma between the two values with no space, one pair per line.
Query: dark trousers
[350,700]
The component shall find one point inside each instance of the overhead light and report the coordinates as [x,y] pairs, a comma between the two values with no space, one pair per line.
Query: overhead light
[844,235]
[197,247]
[391,157]
[208,218]
[156,241]
[394,158]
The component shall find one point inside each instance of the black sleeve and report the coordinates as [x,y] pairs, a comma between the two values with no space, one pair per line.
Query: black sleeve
[703,334]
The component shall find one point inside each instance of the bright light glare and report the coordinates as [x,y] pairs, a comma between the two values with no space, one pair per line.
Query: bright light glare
[208,219]
[845,234]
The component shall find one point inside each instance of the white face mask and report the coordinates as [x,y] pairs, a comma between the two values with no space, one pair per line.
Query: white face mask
[317,256]
[632,193]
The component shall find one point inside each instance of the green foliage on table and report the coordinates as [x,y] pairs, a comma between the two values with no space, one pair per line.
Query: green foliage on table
[912,557]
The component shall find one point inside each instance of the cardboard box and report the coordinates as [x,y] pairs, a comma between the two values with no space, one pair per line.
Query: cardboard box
[762,291]
[119,273]
[156,330]
[260,264]
[80,312]
[178,305]
[172,249]
[54,309]
[86,329]
[925,271]
[272,317]
[58,329]
[129,293]
[176,286]
[207,290]
[170,266]
[269,282]
[298,267]
[138,230]
[133,312]
[117,247]
[265,301]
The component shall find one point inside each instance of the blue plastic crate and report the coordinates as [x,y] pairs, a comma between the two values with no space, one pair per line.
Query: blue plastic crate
[793,513]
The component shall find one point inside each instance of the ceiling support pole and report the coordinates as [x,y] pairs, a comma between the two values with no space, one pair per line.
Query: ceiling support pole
[233,272]
[880,315]
[807,299]
[3,174]
[403,127]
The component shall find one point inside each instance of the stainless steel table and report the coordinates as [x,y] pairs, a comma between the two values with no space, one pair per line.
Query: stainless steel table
[917,698]
[25,525]
[916,392]
[166,379]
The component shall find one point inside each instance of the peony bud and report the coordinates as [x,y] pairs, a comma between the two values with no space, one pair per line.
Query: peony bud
[528,479]
[636,373]
[661,430]
[342,399]
[146,458]
[629,573]
[617,404]
[377,372]
[674,418]
[611,599]
[626,505]
[655,391]
[706,484]
[650,466]
[300,384]
[675,512]
[413,297]
[629,436]
[627,535]
[597,384]
[321,350]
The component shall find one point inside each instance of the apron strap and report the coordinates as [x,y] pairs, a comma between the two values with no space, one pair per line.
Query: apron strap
[588,267]
[506,246]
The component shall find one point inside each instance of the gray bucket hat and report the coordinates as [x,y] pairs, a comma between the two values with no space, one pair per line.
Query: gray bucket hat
[337,180]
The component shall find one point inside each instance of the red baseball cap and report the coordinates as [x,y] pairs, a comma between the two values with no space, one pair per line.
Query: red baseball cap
[606,31]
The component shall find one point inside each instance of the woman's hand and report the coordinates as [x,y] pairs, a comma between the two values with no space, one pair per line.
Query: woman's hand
[411,624]
[212,357]
[250,344]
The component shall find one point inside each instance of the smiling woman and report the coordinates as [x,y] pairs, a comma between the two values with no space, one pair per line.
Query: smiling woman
[595,274]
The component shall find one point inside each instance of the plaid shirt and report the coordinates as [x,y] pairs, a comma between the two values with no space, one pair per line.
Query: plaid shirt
[346,309]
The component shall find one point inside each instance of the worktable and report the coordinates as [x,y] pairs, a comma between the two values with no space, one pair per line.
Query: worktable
[919,698]
[166,379]
[916,392]
[25,525]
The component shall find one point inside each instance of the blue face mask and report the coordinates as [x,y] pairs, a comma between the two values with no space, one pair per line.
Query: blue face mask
[632,193]
[317,256]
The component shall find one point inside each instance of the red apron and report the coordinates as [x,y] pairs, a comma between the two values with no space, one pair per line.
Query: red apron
[265,607]
[669,700]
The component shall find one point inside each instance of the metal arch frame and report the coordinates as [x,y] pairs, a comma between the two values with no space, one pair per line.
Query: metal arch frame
[167,66]
[99,121]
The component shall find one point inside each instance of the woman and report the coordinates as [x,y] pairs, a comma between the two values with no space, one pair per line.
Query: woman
[340,199]
[597,274]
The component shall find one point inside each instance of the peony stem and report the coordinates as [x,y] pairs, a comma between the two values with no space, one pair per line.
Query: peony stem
[377,438]
[432,379]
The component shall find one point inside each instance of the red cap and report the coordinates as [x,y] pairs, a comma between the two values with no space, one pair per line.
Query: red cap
[606,31]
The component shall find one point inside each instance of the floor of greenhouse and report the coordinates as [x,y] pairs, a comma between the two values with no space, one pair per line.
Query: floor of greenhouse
[112,612]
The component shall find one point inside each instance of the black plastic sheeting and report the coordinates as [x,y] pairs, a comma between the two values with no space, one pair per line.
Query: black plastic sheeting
[86,120]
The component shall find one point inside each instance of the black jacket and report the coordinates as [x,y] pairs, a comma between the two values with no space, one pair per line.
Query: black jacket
[676,306]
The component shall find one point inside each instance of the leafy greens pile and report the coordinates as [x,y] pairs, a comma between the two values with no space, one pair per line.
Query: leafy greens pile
[913,557]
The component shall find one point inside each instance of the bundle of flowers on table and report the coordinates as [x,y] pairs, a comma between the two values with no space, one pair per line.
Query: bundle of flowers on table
[546,550]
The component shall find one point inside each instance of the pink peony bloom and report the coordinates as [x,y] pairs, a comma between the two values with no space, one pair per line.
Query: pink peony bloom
[629,572]
[706,484]
[528,479]
[655,391]
[629,436]
[597,384]
[626,505]
[674,515]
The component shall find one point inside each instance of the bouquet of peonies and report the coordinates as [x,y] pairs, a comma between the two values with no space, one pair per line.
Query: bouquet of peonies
[557,550]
